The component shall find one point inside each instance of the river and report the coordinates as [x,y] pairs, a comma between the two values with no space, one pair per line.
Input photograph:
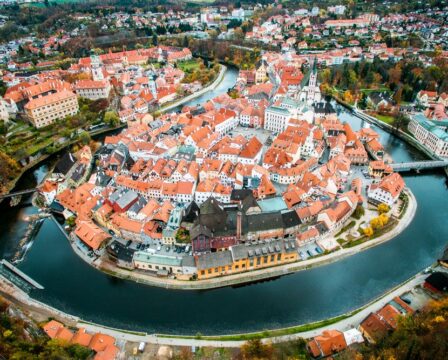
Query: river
[73,286]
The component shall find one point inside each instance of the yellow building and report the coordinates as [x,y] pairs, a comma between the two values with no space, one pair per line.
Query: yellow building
[247,257]
[261,74]
[45,110]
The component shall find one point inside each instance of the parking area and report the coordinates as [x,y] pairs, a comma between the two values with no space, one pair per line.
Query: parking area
[417,298]
[309,250]
[131,351]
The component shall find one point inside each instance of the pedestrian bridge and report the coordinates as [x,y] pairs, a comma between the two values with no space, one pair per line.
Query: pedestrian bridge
[18,193]
[419,165]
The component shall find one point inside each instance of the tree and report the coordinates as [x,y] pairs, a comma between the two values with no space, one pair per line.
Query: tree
[255,349]
[359,212]
[368,231]
[376,223]
[384,219]
[111,118]
[71,221]
[84,137]
[383,208]
[348,96]
[400,121]
[183,236]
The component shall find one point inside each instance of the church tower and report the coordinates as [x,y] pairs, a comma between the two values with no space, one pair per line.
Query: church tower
[97,71]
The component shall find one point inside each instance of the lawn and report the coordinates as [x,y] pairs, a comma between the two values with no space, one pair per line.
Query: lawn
[189,65]
[268,333]
[388,119]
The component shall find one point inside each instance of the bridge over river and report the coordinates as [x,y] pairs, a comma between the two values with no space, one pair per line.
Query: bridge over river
[17,193]
[419,165]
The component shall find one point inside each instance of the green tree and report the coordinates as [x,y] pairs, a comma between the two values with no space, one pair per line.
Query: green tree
[111,118]
[84,137]
[359,212]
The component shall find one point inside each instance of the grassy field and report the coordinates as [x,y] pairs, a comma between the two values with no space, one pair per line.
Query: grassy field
[269,333]
[388,119]
[189,65]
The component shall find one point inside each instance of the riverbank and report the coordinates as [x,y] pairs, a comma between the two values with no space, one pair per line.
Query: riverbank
[13,183]
[254,275]
[188,98]
[389,128]
[42,312]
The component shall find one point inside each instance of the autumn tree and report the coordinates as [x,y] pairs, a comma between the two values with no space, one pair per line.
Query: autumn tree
[255,349]
[368,231]
[376,223]
[383,208]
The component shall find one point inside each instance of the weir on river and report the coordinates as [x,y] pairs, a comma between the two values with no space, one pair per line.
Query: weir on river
[73,286]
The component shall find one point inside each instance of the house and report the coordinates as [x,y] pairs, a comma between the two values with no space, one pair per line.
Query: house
[375,149]
[56,330]
[90,234]
[329,343]
[93,89]
[374,328]
[380,101]
[379,169]
[45,110]
[387,190]
[102,344]
[251,152]
[425,97]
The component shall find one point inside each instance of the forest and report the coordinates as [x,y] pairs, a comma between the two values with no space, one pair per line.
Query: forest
[404,79]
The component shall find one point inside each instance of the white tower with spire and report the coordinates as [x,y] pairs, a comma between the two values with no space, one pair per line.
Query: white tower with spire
[97,71]
[310,92]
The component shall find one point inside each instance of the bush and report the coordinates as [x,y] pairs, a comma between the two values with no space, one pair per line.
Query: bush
[359,212]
